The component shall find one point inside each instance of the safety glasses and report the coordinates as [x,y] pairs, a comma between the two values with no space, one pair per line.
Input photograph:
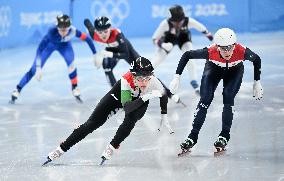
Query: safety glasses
[63,30]
[143,78]
[103,32]
[226,48]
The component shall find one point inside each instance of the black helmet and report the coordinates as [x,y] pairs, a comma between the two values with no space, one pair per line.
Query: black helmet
[177,13]
[63,21]
[102,23]
[141,67]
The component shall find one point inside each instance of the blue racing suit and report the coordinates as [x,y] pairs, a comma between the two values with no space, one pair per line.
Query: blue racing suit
[53,41]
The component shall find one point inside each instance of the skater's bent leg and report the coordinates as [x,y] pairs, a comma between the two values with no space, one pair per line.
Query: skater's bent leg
[107,106]
[128,124]
[110,76]
[26,78]
[108,65]
[227,118]
[209,84]
[231,86]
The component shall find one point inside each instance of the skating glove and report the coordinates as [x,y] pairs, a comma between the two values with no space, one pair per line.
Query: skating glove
[106,53]
[38,73]
[257,90]
[164,119]
[151,95]
[98,60]
[208,35]
[167,46]
[175,83]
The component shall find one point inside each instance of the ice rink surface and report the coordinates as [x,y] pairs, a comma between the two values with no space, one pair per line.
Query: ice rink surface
[46,113]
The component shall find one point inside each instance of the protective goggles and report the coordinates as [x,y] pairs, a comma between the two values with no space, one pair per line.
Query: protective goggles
[226,48]
[64,29]
[143,78]
[102,31]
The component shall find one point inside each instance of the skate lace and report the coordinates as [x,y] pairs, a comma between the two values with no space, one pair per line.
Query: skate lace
[108,153]
[76,91]
[222,141]
[188,143]
[15,93]
[54,155]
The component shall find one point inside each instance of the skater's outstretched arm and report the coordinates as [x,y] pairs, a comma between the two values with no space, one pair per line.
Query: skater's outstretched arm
[192,54]
[253,57]
[89,27]
[257,87]
[86,38]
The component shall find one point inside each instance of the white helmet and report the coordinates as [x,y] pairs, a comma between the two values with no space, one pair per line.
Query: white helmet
[225,37]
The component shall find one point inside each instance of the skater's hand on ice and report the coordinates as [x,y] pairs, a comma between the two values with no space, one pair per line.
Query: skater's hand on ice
[151,95]
[167,46]
[257,90]
[106,53]
[98,60]
[165,121]
[38,73]
[175,83]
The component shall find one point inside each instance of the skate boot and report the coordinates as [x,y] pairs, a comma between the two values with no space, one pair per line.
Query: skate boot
[54,155]
[220,145]
[76,94]
[186,146]
[177,100]
[14,96]
[106,155]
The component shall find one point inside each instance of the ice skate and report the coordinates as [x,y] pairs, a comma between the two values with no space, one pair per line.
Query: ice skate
[76,94]
[177,100]
[54,155]
[220,146]
[14,96]
[186,147]
[107,153]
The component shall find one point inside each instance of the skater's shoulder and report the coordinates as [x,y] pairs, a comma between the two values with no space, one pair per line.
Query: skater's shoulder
[127,80]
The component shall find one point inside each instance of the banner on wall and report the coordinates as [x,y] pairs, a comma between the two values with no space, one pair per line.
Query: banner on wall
[22,24]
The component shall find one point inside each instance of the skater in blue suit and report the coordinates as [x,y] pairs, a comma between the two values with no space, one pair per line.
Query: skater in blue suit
[58,39]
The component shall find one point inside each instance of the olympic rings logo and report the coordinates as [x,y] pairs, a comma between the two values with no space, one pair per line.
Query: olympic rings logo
[5,20]
[116,10]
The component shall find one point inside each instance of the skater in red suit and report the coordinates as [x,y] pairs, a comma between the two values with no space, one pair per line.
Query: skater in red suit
[224,61]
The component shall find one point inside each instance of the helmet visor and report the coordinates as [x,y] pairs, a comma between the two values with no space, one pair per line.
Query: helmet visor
[142,78]
[226,48]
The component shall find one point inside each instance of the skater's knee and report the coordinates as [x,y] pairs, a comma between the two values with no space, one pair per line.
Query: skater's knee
[206,96]
[31,72]
[228,101]
[228,106]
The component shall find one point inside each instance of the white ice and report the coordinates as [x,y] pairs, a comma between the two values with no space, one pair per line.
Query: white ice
[46,113]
